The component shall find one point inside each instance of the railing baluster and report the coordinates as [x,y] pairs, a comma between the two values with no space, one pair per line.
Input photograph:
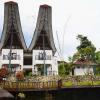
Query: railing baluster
[29,85]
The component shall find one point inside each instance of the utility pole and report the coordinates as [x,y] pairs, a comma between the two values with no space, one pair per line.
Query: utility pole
[11,40]
[10,52]
[44,53]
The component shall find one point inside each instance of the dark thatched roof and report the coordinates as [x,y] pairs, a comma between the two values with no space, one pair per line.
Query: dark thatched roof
[11,26]
[44,24]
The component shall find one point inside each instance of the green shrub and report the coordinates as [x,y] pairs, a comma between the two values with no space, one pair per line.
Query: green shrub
[30,74]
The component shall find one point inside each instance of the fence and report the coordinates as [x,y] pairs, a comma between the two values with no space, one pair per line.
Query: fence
[30,85]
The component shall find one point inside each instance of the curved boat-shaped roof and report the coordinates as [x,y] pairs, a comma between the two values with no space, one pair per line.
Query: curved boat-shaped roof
[12,23]
[44,24]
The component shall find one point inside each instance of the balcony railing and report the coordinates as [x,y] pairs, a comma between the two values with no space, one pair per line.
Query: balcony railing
[13,57]
[48,72]
[41,57]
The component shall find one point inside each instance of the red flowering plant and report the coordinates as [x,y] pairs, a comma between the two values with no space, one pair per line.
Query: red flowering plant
[3,73]
[20,75]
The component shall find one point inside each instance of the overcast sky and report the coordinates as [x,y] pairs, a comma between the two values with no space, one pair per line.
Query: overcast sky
[69,18]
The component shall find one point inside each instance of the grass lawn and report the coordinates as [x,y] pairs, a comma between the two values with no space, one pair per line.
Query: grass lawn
[84,83]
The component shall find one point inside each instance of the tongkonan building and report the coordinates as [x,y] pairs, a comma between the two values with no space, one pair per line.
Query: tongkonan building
[39,58]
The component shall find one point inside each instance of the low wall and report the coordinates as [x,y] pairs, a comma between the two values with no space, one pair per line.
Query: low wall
[86,93]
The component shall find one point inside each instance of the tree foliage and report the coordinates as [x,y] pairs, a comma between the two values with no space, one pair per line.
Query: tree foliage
[97,56]
[84,42]
[61,69]
[65,68]
[86,50]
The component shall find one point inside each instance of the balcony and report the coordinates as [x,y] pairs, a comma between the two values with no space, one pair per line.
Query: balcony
[14,56]
[41,56]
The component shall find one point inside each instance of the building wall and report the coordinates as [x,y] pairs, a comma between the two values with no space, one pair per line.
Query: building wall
[37,59]
[83,70]
[17,57]
[55,65]
[50,61]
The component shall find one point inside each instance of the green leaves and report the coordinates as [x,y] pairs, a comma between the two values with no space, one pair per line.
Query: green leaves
[86,50]
[84,42]
[65,68]
[61,69]
[97,57]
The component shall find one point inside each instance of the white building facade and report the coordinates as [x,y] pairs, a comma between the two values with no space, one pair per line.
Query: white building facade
[16,63]
[83,70]
[50,67]
[84,67]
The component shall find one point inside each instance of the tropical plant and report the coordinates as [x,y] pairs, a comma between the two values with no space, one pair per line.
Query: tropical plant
[3,72]
[61,69]
[86,50]
[65,68]
[20,75]
[97,56]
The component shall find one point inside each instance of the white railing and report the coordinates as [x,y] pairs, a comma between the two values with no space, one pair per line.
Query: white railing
[13,57]
[48,72]
[41,57]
